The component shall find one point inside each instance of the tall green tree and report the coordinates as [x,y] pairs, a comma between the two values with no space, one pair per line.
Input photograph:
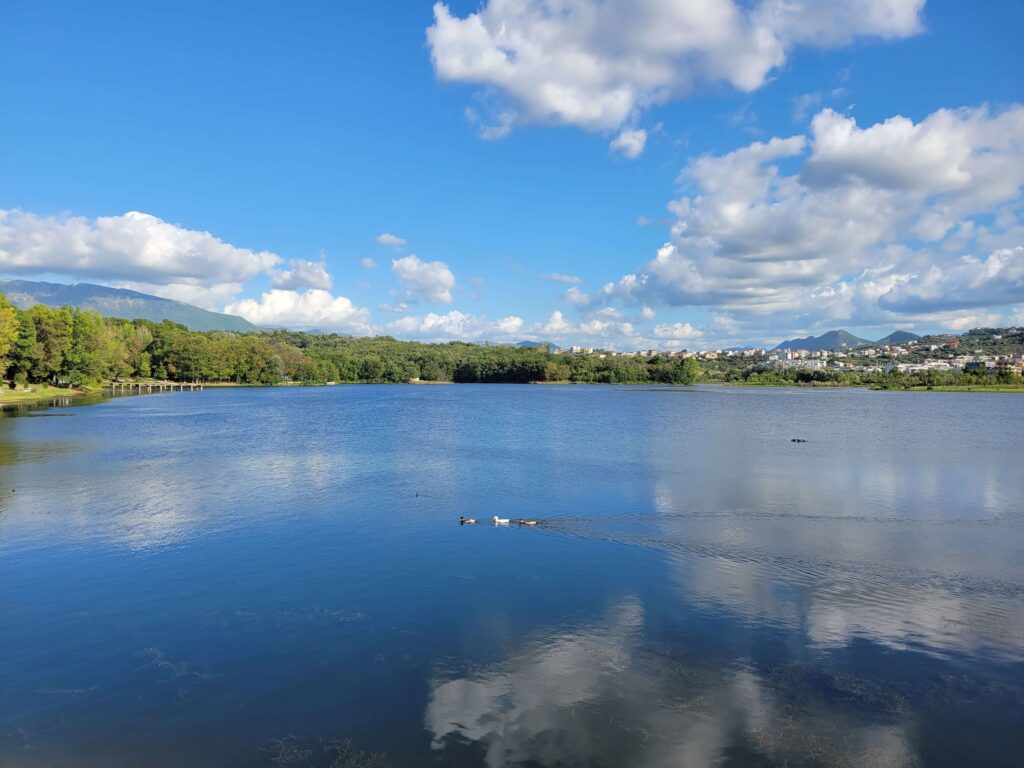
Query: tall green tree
[137,340]
[8,327]
[86,358]
[53,333]
[115,348]
[24,353]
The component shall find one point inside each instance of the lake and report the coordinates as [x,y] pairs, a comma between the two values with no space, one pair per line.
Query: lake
[262,577]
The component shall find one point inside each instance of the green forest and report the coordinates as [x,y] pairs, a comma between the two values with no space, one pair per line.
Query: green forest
[80,347]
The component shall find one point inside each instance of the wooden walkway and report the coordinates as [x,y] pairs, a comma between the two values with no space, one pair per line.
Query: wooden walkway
[138,387]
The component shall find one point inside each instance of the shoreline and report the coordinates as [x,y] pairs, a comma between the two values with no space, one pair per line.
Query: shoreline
[995,388]
[47,395]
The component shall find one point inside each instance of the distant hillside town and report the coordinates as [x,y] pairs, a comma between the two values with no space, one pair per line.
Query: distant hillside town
[981,349]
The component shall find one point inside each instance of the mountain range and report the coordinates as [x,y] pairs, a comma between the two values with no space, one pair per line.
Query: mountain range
[840,341]
[120,302]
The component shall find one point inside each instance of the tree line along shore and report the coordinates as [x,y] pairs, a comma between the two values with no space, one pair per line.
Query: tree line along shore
[80,348]
[44,351]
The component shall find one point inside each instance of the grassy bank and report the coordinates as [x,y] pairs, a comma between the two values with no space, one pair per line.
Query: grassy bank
[39,393]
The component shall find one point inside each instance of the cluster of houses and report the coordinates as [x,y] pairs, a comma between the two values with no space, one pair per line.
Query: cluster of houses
[864,360]
[993,363]
[849,362]
[872,359]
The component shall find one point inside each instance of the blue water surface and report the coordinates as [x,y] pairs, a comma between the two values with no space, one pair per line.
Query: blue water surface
[261,577]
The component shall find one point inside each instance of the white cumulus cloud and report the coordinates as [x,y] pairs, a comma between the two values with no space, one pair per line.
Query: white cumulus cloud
[430,279]
[629,143]
[848,224]
[391,241]
[677,331]
[598,63]
[970,282]
[134,247]
[303,274]
[314,308]
[455,325]
[509,325]
[943,153]
[557,277]
[606,324]
[556,325]
[575,296]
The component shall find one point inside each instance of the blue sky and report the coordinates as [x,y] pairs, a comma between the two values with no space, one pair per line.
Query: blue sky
[803,166]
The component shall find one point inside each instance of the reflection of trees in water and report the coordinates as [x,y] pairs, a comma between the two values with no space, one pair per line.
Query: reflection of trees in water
[15,451]
[8,457]
[599,696]
[8,452]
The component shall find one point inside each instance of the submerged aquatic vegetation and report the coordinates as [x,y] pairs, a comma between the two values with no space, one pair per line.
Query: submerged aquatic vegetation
[291,750]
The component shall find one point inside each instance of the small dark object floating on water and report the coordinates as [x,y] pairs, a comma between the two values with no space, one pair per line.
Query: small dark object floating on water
[797,440]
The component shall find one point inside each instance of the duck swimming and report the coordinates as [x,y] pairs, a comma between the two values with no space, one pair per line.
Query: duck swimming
[527,522]
[501,520]
[466,520]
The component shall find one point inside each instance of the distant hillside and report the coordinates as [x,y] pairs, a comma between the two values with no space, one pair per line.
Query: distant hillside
[120,302]
[899,337]
[985,341]
[839,341]
[833,340]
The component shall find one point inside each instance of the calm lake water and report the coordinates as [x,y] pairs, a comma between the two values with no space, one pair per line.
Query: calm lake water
[246,577]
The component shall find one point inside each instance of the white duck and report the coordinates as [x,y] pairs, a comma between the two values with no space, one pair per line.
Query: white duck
[501,520]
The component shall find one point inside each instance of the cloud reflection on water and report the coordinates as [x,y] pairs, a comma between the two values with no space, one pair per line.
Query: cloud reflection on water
[819,554]
[919,584]
[147,502]
[599,695]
